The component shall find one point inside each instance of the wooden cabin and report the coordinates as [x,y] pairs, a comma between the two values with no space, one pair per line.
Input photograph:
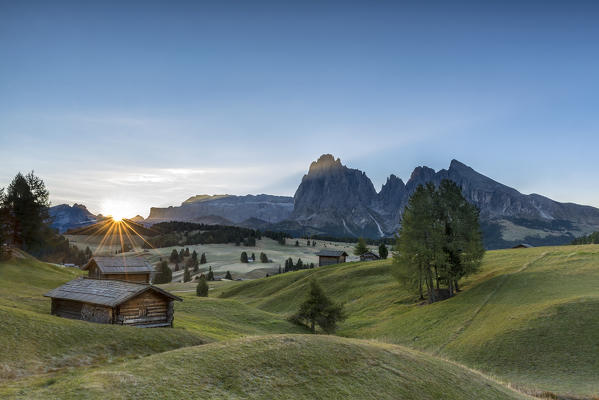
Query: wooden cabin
[522,246]
[329,257]
[131,269]
[369,256]
[113,302]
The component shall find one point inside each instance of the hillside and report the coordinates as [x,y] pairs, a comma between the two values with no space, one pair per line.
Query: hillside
[32,341]
[529,317]
[281,367]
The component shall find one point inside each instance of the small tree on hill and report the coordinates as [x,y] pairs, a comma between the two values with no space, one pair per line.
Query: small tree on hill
[297,243]
[194,255]
[228,276]
[244,257]
[164,273]
[253,257]
[174,258]
[210,276]
[300,264]
[319,310]
[361,247]
[177,267]
[203,258]
[186,251]
[202,287]
[186,274]
[383,251]
[263,258]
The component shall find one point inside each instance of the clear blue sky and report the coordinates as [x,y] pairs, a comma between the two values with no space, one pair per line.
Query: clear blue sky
[148,103]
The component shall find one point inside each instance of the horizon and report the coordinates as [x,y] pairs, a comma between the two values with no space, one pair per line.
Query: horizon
[119,105]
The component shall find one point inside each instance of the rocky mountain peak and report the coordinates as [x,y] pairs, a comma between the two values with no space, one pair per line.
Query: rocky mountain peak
[324,163]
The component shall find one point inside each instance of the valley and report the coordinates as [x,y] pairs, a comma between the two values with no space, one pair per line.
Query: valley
[526,320]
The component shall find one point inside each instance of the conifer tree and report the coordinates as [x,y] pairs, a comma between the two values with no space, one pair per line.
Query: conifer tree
[174,258]
[319,310]
[202,287]
[263,258]
[203,258]
[244,257]
[210,276]
[383,251]
[194,255]
[164,275]
[186,274]
[360,247]
[228,276]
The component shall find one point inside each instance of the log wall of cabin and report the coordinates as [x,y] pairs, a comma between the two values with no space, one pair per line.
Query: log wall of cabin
[330,260]
[149,308]
[140,278]
[78,310]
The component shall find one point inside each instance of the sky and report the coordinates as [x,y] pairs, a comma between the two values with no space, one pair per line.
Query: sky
[137,104]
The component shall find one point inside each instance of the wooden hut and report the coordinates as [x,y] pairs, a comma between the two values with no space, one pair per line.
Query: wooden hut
[522,246]
[329,257]
[369,256]
[113,302]
[132,269]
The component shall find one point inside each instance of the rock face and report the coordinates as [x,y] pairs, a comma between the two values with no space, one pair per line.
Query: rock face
[337,200]
[65,217]
[226,209]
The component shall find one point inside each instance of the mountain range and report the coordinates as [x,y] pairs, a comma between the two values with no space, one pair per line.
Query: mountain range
[335,200]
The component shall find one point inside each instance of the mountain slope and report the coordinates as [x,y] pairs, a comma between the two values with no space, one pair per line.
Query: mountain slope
[529,316]
[282,367]
[65,217]
[234,209]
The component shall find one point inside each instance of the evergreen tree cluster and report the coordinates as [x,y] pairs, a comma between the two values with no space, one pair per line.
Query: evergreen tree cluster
[25,223]
[593,238]
[439,241]
[290,266]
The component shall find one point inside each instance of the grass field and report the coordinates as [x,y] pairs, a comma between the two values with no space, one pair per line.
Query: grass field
[278,367]
[225,257]
[530,317]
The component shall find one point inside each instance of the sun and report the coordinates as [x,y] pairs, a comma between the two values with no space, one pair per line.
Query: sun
[118,209]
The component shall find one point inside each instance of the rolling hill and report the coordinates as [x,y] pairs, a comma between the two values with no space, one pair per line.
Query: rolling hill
[280,367]
[529,317]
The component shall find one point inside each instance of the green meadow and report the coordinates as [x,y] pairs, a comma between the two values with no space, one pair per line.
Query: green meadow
[527,321]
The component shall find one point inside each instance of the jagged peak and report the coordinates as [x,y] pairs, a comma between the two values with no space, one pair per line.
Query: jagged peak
[455,164]
[423,171]
[325,161]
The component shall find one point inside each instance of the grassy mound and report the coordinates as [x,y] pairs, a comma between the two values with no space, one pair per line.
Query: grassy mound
[282,367]
[530,315]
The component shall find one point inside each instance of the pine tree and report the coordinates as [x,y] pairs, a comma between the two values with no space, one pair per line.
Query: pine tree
[361,247]
[383,251]
[300,264]
[194,255]
[164,275]
[186,274]
[244,257]
[319,310]
[202,287]
[203,258]
[186,252]
[253,257]
[210,276]
[174,258]
[297,243]
[263,258]
[181,255]
[228,276]
[313,243]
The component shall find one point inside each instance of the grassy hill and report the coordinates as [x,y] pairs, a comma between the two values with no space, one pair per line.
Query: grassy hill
[33,341]
[529,317]
[280,367]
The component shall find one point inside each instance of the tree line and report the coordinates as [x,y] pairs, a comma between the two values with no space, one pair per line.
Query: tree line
[25,223]
[592,238]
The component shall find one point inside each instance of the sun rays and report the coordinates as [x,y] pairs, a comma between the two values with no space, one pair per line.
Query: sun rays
[113,231]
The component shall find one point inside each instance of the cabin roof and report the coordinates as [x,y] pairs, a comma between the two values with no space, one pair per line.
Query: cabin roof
[104,292]
[522,245]
[331,253]
[120,265]
[370,253]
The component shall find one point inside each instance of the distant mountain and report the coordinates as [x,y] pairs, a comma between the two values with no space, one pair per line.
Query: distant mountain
[226,209]
[65,217]
[341,201]
[335,200]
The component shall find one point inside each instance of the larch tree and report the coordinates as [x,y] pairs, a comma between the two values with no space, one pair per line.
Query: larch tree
[360,247]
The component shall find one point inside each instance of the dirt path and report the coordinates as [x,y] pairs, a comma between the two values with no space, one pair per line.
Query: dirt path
[466,324]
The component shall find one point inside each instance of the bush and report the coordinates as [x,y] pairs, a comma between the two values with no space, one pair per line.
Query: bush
[202,287]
